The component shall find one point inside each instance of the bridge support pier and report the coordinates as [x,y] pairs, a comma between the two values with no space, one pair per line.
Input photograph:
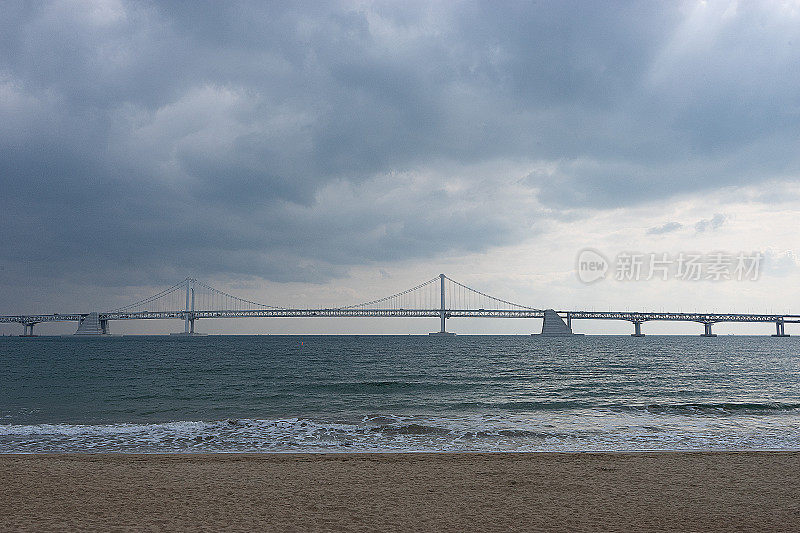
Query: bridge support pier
[28,330]
[779,331]
[91,324]
[637,330]
[554,326]
[707,332]
[189,329]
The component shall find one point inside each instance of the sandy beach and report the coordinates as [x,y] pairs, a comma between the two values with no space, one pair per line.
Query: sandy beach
[403,492]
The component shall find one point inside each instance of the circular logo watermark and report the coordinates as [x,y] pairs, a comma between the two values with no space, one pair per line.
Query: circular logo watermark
[592,266]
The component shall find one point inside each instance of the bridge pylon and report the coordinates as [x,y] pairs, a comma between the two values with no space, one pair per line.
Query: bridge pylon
[442,312]
[188,313]
[189,317]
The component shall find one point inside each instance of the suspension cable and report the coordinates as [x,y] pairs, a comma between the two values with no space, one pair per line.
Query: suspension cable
[152,298]
[492,297]
[235,298]
[387,298]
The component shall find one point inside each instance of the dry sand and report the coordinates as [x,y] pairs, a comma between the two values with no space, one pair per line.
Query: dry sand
[407,492]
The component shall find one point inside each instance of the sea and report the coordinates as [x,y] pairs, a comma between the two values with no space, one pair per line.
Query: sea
[157,394]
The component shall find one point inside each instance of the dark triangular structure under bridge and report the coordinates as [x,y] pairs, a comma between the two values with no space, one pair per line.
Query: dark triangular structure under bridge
[554,326]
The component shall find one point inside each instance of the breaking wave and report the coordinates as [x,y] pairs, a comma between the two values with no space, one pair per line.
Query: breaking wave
[646,428]
[723,408]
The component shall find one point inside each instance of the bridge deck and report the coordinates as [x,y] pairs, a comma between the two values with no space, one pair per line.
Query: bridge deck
[408,313]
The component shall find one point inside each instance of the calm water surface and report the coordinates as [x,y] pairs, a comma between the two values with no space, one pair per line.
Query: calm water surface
[398,393]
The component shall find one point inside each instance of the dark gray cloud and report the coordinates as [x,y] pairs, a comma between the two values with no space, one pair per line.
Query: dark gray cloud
[142,141]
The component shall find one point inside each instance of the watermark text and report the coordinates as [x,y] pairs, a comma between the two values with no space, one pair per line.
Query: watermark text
[593,266]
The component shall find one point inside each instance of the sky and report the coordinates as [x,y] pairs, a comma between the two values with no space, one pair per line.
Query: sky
[327,153]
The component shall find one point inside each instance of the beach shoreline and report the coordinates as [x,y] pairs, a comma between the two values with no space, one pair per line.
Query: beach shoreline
[557,491]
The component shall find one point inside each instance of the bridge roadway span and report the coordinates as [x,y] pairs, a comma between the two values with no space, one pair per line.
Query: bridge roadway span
[440,297]
[637,318]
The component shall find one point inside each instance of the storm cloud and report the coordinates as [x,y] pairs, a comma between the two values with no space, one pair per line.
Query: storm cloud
[141,141]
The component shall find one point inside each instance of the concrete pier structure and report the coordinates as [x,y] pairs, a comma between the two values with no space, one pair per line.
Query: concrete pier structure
[637,329]
[707,331]
[780,331]
[91,324]
[554,326]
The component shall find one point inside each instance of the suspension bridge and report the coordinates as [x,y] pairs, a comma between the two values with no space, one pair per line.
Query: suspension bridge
[440,297]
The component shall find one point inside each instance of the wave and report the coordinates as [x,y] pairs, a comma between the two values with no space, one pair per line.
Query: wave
[567,431]
[522,405]
[714,408]
[385,386]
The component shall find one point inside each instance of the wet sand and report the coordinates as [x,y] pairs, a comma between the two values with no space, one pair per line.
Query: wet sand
[403,492]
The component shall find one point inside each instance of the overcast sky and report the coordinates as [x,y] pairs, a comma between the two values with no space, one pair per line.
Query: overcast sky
[326,153]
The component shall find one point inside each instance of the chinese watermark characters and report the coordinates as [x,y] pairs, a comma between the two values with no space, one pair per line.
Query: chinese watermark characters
[685,266]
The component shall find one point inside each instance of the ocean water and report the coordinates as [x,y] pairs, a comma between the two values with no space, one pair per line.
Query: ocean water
[398,393]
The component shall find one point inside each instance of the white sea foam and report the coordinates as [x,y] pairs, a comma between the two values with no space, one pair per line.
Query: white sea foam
[585,431]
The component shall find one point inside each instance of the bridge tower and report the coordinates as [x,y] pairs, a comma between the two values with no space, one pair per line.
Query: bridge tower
[189,315]
[442,311]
